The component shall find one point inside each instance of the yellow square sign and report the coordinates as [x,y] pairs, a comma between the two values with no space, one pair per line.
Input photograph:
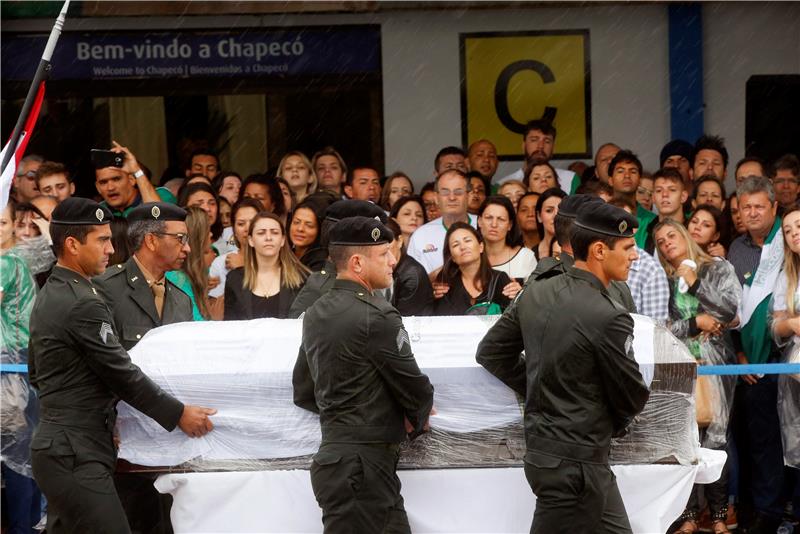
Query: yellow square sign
[508,79]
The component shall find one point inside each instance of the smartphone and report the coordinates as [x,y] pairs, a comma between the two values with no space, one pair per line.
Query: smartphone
[107,158]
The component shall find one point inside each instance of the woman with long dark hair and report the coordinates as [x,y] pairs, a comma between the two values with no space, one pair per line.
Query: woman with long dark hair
[466,278]
[271,277]
[546,211]
[502,239]
[409,212]
[706,229]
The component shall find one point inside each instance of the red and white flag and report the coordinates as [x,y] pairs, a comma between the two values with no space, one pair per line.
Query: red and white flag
[7,177]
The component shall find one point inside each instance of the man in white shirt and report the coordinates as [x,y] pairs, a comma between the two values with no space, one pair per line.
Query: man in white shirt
[538,141]
[427,242]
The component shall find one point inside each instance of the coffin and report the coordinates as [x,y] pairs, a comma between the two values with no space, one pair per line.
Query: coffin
[244,369]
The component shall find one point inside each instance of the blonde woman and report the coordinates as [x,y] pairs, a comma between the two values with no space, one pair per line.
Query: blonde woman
[271,277]
[704,295]
[296,169]
[192,279]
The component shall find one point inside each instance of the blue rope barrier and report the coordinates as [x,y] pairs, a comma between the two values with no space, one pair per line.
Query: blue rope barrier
[747,369]
[13,368]
[750,369]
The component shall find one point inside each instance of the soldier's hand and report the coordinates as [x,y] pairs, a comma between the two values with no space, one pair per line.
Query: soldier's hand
[195,421]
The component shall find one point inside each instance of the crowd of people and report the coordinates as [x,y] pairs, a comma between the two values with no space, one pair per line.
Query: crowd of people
[718,269]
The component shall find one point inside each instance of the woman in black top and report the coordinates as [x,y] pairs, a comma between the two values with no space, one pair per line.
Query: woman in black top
[271,277]
[411,292]
[466,278]
[305,230]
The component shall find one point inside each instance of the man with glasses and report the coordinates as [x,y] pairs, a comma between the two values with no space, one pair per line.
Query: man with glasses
[25,188]
[785,178]
[427,242]
[141,298]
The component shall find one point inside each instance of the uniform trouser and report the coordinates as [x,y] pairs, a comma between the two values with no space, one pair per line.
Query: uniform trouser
[74,468]
[574,497]
[356,486]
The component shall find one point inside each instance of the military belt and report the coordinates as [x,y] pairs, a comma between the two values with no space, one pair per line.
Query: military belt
[568,451]
[87,419]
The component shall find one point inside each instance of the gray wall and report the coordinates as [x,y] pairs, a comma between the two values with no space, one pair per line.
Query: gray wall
[629,67]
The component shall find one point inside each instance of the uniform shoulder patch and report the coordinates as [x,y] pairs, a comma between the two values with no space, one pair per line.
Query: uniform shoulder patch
[105,330]
[402,339]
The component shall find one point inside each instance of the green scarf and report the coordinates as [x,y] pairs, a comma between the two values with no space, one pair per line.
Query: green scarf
[687,306]
[756,338]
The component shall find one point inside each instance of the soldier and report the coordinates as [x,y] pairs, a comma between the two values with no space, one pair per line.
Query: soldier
[564,226]
[581,383]
[141,298]
[137,292]
[356,369]
[319,283]
[81,371]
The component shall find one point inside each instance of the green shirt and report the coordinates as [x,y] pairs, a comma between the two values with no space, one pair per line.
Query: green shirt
[163,193]
[18,294]
[181,280]
[645,218]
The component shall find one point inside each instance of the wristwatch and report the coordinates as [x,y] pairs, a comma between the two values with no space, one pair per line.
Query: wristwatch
[138,174]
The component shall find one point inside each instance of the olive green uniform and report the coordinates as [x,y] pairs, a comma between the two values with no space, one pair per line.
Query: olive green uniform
[317,284]
[126,292]
[80,371]
[356,369]
[581,385]
[549,267]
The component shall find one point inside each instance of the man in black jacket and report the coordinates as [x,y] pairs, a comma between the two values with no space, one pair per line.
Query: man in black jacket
[80,372]
[356,369]
[581,383]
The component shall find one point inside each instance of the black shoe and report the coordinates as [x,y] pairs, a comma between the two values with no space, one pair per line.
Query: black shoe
[764,524]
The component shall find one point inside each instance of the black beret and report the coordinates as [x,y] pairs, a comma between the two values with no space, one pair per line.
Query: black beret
[156,211]
[676,147]
[360,231]
[355,208]
[570,205]
[606,219]
[80,211]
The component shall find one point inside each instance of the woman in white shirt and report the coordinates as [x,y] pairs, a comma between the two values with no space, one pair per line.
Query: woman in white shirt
[497,222]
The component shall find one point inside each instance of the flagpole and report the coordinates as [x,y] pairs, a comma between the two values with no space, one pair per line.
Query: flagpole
[42,72]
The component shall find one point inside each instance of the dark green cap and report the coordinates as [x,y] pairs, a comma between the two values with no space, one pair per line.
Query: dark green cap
[360,231]
[80,211]
[606,219]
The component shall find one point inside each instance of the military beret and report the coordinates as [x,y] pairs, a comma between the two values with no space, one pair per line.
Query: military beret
[355,208]
[606,219]
[676,147]
[360,231]
[80,211]
[156,211]
[570,205]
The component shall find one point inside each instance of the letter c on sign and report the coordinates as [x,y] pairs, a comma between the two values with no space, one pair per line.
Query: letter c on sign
[501,92]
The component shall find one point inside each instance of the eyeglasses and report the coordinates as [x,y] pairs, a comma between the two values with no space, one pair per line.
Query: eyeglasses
[644,192]
[29,174]
[183,238]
